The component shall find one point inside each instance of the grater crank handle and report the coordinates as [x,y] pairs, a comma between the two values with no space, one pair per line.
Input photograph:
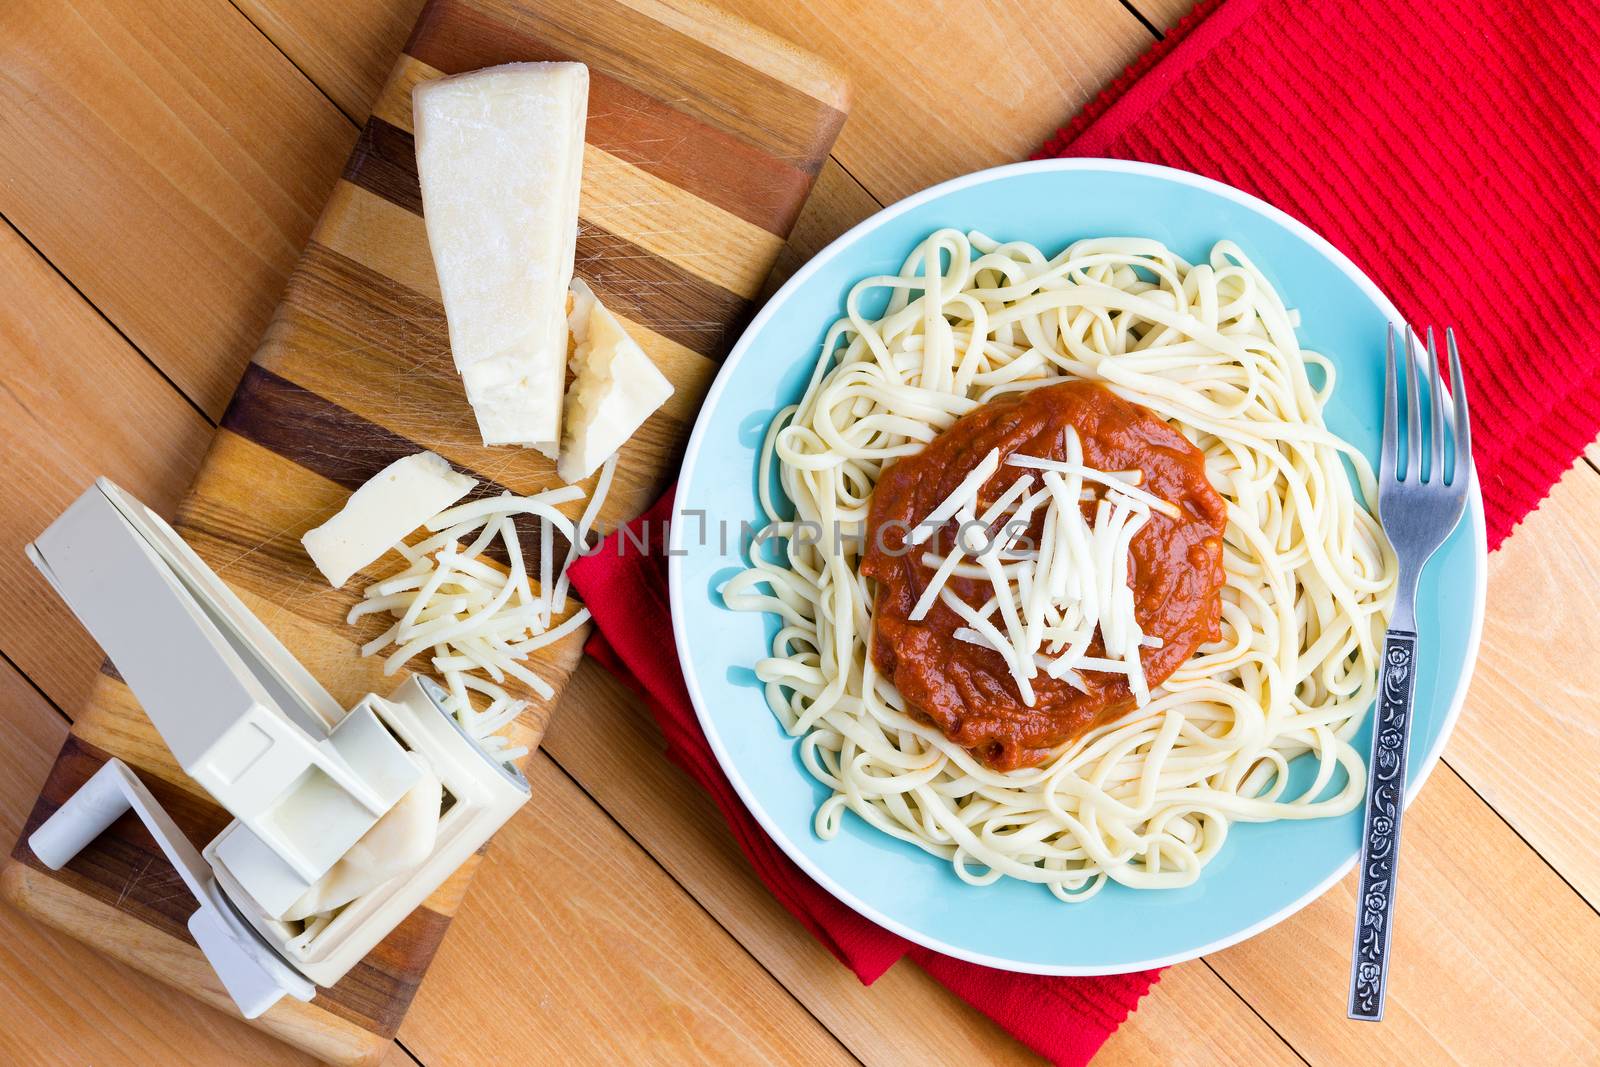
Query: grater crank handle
[254,976]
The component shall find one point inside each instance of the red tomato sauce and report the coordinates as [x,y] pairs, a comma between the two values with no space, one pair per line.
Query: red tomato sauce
[1176,575]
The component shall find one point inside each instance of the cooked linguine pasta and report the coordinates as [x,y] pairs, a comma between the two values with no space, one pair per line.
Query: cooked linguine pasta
[1147,799]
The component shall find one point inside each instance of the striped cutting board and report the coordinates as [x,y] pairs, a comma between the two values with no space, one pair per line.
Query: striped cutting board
[704,136]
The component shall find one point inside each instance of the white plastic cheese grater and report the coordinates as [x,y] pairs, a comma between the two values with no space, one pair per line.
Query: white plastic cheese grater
[385,800]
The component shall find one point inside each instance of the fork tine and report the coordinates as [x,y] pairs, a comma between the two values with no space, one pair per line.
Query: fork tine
[1458,393]
[1391,421]
[1435,414]
[1413,412]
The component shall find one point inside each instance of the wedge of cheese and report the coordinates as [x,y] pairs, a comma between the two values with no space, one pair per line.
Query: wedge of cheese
[392,503]
[615,389]
[499,155]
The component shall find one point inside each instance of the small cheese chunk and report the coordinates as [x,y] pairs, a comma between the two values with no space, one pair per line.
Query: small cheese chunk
[395,501]
[616,388]
[398,842]
[499,156]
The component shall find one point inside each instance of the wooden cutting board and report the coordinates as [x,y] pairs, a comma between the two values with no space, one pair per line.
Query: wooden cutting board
[704,137]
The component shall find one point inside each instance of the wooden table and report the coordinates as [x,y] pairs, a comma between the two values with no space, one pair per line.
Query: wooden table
[161,163]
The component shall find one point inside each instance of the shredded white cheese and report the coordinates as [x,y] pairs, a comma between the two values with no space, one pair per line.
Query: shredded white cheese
[1117,483]
[478,621]
[1051,600]
[948,565]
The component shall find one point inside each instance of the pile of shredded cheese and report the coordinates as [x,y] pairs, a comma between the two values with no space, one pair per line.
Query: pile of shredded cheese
[1052,597]
[477,620]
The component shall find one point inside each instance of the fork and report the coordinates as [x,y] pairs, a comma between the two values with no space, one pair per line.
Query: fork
[1419,508]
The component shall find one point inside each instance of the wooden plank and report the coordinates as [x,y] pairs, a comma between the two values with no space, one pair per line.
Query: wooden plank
[598,957]
[605,740]
[78,401]
[1528,740]
[65,1002]
[1027,67]
[1494,959]
[1192,1019]
[837,202]
[1163,14]
[171,960]
[704,239]
[170,161]
[346,47]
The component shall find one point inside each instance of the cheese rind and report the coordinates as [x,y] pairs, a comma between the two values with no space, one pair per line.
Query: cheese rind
[392,503]
[499,158]
[615,390]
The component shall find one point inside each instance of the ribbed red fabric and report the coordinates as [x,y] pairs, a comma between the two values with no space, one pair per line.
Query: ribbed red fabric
[1450,150]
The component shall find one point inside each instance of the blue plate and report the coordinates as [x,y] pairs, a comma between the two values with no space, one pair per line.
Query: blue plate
[1266,871]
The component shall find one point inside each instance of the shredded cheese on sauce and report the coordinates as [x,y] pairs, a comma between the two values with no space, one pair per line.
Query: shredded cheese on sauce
[1080,570]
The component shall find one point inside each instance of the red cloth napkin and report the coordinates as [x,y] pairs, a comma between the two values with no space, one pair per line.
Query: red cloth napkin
[1450,152]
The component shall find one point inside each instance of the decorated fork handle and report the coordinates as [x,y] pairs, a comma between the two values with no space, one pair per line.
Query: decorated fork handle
[1380,836]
